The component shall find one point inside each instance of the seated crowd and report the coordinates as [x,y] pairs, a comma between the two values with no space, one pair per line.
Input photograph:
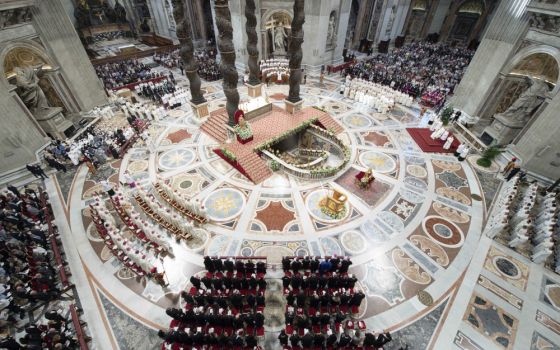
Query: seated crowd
[223,309]
[275,70]
[208,67]
[124,72]
[31,272]
[320,297]
[416,67]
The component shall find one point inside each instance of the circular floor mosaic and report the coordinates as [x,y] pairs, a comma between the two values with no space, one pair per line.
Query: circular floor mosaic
[224,204]
[394,231]
[378,161]
[176,158]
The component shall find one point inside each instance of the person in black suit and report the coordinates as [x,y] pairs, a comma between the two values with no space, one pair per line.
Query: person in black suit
[286,282]
[382,339]
[229,265]
[344,265]
[208,264]
[286,263]
[295,340]
[319,340]
[283,338]
[344,340]
[307,340]
[296,266]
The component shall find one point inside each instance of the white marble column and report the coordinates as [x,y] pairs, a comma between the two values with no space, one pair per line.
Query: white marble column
[20,136]
[63,44]
[501,38]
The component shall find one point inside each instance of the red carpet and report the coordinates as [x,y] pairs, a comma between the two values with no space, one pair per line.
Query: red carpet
[422,137]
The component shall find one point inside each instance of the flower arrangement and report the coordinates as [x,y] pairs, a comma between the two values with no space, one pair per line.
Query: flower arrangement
[446,114]
[228,154]
[335,215]
[274,165]
[286,134]
[244,133]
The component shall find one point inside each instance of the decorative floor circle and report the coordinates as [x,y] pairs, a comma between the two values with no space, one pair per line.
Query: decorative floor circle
[357,121]
[353,242]
[506,267]
[176,158]
[379,162]
[425,298]
[444,232]
[416,170]
[224,204]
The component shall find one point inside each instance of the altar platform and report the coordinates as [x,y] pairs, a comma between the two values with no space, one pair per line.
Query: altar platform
[266,127]
[422,138]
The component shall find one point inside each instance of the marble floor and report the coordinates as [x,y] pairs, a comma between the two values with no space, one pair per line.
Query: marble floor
[415,238]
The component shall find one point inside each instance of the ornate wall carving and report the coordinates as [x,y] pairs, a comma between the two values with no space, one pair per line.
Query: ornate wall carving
[16,16]
[545,22]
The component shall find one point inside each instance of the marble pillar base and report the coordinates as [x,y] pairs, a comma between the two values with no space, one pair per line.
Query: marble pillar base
[200,110]
[53,122]
[254,90]
[502,131]
[292,107]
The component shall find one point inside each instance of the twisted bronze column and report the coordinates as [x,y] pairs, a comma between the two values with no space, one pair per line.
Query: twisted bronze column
[227,52]
[294,50]
[252,40]
[186,50]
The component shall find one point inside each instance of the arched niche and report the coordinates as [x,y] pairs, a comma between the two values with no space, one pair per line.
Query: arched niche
[418,15]
[536,64]
[29,54]
[468,14]
[332,28]
[271,22]
[352,24]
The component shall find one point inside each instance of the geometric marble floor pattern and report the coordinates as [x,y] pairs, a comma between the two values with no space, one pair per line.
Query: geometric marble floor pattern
[411,237]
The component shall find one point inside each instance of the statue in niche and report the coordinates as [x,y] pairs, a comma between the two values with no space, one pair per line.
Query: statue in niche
[27,81]
[331,35]
[279,39]
[120,13]
[82,14]
[109,13]
[520,110]
[145,26]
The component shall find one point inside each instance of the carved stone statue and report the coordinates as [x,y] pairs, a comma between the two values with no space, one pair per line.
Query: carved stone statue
[27,81]
[279,39]
[120,12]
[331,29]
[520,110]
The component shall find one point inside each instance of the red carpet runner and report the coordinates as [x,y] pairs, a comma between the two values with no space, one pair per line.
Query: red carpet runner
[422,137]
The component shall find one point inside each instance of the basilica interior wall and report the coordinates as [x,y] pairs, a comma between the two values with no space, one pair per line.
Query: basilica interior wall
[63,44]
[539,146]
[20,136]
[440,15]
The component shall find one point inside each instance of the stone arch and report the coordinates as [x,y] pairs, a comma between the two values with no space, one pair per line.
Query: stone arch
[30,53]
[352,23]
[332,25]
[536,61]
[418,13]
[268,21]
[466,18]
[26,52]
[530,51]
